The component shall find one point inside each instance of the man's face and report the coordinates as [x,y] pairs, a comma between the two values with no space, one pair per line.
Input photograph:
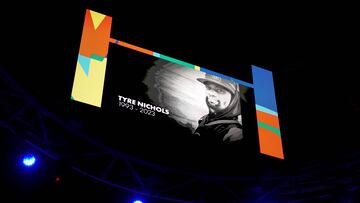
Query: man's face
[217,97]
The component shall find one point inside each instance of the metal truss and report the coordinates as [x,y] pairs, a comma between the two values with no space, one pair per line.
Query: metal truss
[60,139]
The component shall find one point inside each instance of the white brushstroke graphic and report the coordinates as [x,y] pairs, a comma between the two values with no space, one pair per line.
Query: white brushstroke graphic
[175,87]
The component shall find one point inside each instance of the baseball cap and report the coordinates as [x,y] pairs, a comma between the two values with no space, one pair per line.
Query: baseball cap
[227,84]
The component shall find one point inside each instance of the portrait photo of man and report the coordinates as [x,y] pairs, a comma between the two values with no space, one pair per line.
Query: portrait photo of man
[221,124]
[206,105]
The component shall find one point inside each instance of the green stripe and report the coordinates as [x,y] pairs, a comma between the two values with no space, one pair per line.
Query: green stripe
[97,57]
[268,127]
[72,98]
[177,61]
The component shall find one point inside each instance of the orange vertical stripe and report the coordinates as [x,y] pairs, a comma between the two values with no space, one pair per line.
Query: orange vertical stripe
[268,119]
[95,41]
[270,143]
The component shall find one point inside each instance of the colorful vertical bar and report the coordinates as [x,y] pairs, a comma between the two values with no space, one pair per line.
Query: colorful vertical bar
[266,113]
[91,64]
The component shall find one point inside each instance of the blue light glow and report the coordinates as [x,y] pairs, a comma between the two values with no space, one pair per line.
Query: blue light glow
[138,201]
[29,160]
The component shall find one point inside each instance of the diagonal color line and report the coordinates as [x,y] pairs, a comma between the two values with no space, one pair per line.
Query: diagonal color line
[156,54]
[266,110]
[268,127]
[130,46]
[226,77]
[183,63]
[168,58]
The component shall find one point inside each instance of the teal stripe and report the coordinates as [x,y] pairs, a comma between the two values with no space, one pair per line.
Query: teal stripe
[97,57]
[177,61]
[266,110]
[268,127]
[156,54]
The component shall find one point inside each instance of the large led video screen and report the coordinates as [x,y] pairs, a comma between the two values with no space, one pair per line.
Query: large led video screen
[158,101]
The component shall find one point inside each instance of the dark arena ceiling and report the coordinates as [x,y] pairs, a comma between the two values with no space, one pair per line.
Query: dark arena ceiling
[99,159]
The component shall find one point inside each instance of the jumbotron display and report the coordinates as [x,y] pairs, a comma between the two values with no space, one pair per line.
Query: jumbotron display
[136,82]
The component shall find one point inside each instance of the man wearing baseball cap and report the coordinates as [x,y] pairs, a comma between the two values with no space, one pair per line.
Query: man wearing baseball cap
[223,100]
